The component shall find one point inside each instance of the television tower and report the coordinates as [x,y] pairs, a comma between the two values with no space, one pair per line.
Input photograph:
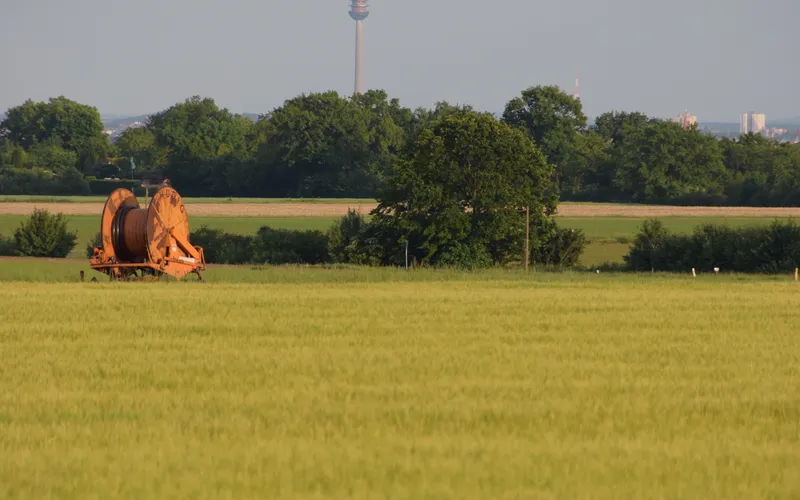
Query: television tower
[359,12]
[577,94]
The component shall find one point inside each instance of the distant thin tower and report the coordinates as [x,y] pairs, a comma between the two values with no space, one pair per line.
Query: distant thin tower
[359,12]
[577,93]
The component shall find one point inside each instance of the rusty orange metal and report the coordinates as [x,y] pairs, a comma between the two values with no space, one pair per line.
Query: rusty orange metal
[148,242]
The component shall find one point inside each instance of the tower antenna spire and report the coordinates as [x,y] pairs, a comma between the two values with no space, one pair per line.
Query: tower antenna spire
[577,94]
[359,11]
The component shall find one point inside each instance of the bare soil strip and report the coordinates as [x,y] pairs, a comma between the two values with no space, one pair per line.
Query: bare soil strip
[339,209]
[203,209]
[592,210]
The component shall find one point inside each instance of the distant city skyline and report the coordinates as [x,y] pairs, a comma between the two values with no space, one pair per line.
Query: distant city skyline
[97,53]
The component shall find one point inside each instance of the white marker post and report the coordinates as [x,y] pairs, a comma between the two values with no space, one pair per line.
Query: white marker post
[694,274]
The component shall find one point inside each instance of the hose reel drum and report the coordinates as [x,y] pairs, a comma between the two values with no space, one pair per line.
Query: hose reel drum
[147,242]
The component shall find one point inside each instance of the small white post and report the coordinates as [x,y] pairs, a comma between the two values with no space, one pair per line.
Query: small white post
[694,274]
[796,274]
[527,237]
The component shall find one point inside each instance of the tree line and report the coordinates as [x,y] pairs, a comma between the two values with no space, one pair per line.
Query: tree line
[327,145]
[468,191]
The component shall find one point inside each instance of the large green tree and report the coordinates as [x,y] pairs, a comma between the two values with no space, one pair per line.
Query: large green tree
[72,124]
[763,171]
[57,134]
[557,124]
[546,111]
[139,144]
[459,198]
[615,126]
[198,129]
[661,161]
[196,141]
[327,145]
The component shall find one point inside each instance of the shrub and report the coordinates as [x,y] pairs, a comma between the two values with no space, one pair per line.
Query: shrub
[771,249]
[649,242]
[44,235]
[36,181]
[268,246]
[223,248]
[465,256]
[350,242]
[97,241]
[71,182]
[8,247]
[284,246]
[554,246]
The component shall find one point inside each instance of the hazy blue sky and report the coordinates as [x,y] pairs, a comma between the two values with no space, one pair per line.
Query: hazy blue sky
[715,58]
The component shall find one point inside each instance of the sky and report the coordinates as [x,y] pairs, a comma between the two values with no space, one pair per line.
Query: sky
[714,58]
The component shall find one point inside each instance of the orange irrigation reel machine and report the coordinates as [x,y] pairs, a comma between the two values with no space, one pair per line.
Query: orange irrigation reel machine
[146,243]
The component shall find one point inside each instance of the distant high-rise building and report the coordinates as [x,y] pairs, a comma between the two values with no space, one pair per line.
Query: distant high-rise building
[744,123]
[686,120]
[758,123]
[752,123]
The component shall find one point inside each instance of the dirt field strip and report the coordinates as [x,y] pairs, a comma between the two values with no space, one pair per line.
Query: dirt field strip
[203,209]
[590,210]
[338,209]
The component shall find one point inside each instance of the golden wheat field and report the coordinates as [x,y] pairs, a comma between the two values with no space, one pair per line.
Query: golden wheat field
[317,385]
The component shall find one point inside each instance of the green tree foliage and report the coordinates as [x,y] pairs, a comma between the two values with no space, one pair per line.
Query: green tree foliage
[196,141]
[285,246]
[546,112]
[140,143]
[72,124]
[771,249]
[326,145]
[25,181]
[459,199]
[552,246]
[95,242]
[763,172]
[660,161]
[8,247]
[198,129]
[220,247]
[50,156]
[556,122]
[349,242]
[44,235]
[615,126]
[45,145]
[268,246]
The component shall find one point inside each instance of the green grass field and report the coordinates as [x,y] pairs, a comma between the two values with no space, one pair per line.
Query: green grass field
[611,228]
[389,384]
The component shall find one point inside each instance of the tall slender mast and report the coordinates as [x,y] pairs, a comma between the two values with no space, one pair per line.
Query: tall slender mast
[359,12]
[359,87]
